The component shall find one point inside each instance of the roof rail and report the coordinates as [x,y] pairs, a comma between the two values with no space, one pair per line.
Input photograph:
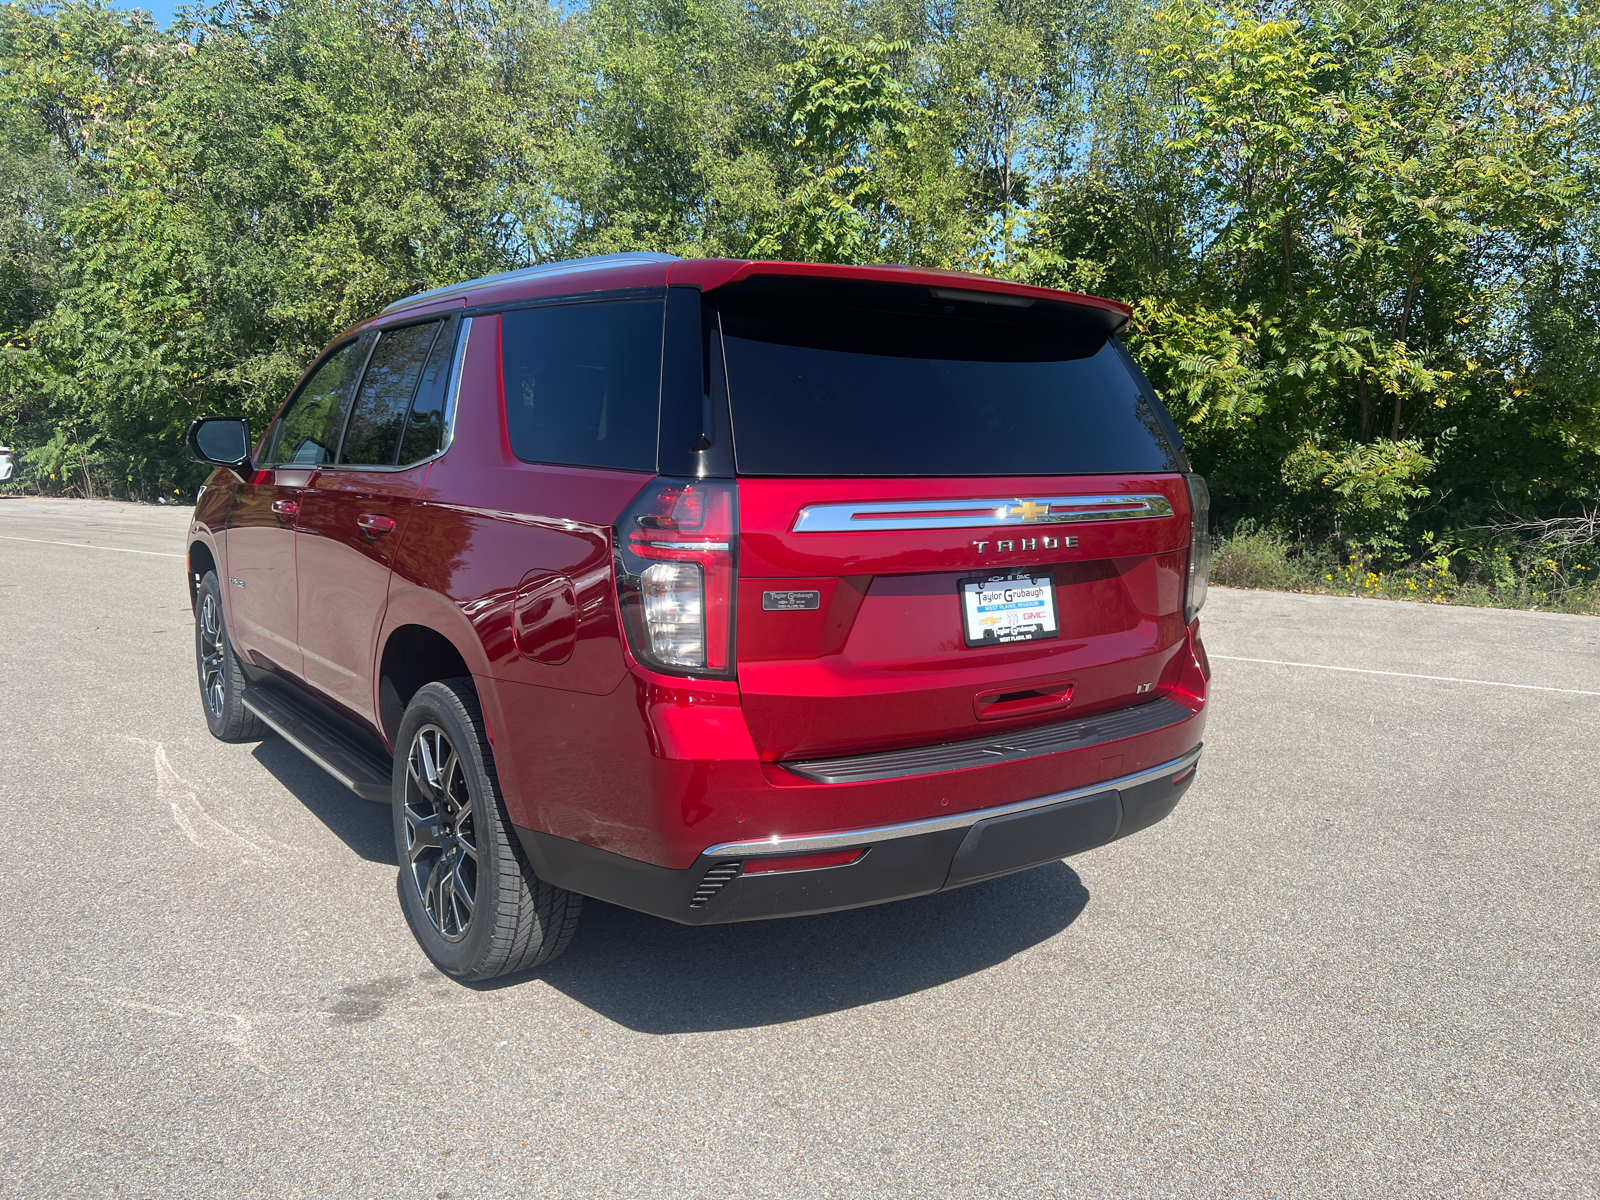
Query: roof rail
[555,268]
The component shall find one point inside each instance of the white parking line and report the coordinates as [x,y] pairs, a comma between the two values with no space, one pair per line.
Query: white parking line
[1278,662]
[88,546]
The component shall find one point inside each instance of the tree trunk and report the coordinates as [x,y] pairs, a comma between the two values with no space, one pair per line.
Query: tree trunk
[1288,255]
[1366,408]
[1405,311]
[1405,328]
[1005,204]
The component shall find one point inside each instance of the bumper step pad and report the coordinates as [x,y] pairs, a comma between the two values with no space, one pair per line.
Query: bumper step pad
[980,752]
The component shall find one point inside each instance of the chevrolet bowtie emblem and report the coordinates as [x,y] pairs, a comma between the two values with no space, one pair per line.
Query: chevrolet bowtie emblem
[1028,510]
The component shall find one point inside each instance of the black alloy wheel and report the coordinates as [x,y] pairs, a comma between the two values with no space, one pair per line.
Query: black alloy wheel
[441,841]
[222,680]
[467,890]
[213,656]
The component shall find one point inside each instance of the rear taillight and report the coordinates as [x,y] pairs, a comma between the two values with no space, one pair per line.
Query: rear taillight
[675,555]
[1199,545]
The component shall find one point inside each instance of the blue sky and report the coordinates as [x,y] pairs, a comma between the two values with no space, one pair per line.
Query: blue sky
[162,9]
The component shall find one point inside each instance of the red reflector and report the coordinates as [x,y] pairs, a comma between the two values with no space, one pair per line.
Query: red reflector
[1182,775]
[803,862]
[680,507]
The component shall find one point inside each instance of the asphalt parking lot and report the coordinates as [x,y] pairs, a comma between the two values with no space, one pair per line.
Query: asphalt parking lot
[1361,959]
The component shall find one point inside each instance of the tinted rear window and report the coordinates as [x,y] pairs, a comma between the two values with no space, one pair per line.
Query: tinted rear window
[385,396]
[425,427]
[902,383]
[583,383]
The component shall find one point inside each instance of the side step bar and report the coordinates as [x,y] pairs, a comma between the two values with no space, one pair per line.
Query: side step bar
[297,722]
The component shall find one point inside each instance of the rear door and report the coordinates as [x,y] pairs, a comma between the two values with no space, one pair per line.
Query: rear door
[959,514]
[354,512]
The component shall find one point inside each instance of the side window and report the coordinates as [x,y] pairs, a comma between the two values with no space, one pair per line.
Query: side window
[308,433]
[269,442]
[425,430]
[583,383]
[385,396]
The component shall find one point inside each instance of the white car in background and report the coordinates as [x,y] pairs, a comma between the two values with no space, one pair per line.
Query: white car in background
[6,467]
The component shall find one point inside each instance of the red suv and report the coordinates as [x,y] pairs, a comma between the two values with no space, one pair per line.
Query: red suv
[720,590]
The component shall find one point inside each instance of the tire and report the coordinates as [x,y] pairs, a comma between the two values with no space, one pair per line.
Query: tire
[473,903]
[222,681]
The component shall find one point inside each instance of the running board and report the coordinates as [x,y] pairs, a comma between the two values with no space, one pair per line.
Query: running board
[363,772]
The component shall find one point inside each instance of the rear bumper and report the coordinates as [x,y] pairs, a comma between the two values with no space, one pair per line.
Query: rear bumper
[903,860]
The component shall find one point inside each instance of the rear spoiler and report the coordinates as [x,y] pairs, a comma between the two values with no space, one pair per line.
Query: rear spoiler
[710,274]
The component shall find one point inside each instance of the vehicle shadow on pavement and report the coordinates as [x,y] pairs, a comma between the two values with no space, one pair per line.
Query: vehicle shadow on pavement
[656,976]
[360,824]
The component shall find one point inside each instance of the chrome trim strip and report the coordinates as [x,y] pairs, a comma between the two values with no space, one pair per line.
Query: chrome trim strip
[778,844]
[999,512]
[302,747]
[453,395]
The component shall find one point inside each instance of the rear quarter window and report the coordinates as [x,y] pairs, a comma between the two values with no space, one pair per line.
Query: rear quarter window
[583,383]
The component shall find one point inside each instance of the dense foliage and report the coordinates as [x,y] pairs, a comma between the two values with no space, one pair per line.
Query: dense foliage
[1360,239]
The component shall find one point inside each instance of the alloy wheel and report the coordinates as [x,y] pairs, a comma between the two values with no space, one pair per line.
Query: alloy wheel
[213,655]
[441,840]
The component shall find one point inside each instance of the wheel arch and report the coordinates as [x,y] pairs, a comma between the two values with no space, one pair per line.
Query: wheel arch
[416,652]
[201,560]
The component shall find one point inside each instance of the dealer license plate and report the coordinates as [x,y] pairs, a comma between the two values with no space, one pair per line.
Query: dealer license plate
[1008,608]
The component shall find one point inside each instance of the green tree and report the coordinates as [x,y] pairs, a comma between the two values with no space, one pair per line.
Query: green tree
[1360,242]
[850,117]
[1367,211]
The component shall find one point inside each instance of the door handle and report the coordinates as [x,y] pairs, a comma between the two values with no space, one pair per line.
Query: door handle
[1016,702]
[285,508]
[375,524]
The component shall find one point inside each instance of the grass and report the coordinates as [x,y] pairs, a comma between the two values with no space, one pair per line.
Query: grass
[1489,576]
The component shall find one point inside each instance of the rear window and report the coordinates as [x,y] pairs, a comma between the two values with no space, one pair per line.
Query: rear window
[425,427]
[905,381]
[373,436]
[583,383]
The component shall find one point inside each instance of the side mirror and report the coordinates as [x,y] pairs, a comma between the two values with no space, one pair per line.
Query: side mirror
[222,442]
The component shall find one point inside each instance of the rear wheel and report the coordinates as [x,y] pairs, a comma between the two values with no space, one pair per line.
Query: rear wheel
[222,680]
[475,906]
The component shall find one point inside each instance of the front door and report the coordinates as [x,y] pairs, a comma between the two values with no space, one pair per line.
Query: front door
[260,584]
